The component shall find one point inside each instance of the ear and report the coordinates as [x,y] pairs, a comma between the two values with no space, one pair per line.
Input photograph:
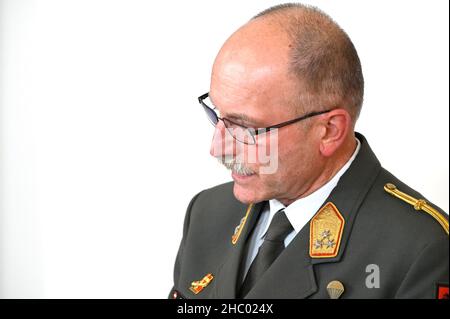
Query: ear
[336,125]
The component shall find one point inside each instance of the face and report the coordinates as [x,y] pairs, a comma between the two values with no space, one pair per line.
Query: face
[250,85]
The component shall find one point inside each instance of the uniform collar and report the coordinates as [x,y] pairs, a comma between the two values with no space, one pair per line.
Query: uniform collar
[303,209]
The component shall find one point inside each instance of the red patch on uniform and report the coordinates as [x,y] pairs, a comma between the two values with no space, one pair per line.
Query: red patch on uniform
[442,291]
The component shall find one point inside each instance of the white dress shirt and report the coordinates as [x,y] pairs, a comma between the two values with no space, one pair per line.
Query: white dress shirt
[299,212]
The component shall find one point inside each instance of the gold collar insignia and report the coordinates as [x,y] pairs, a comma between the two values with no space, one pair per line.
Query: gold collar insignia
[326,228]
[240,227]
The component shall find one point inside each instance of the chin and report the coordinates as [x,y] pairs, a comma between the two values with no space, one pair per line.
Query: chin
[247,195]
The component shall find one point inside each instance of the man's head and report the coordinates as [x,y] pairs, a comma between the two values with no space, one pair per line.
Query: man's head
[288,61]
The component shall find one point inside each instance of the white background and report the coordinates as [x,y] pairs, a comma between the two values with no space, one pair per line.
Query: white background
[102,142]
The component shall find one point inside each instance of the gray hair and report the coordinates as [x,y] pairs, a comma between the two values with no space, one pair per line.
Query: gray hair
[322,58]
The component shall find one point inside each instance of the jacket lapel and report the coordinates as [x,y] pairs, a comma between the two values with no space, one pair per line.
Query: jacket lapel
[227,275]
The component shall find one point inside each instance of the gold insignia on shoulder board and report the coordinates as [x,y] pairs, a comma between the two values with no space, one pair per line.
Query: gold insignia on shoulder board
[325,232]
[419,204]
[199,285]
[238,229]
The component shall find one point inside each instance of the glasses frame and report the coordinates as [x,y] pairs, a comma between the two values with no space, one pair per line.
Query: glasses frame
[256,131]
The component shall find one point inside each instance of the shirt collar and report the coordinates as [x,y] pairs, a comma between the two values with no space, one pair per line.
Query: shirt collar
[303,209]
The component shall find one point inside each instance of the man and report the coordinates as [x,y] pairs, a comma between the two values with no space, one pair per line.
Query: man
[326,220]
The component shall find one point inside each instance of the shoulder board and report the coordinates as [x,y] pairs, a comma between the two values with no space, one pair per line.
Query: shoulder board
[419,204]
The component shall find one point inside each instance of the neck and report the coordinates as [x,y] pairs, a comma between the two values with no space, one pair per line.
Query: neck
[331,166]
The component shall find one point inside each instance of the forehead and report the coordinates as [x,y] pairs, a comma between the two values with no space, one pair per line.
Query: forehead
[261,95]
[250,74]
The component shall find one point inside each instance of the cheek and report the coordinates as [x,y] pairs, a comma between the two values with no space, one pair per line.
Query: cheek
[276,173]
[294,160]
[289,157]
[267,149]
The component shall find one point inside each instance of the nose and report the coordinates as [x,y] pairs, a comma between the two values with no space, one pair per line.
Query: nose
[222,144]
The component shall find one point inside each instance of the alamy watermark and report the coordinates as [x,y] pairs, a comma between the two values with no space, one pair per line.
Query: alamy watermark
[373,279]
[247,158]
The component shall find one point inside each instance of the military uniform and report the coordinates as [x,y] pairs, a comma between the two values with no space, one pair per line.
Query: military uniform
[367,241]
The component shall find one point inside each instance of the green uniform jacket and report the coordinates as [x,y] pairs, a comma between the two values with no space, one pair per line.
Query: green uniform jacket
[408,247]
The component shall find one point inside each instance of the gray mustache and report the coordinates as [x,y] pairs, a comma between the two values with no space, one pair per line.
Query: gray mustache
[237,167]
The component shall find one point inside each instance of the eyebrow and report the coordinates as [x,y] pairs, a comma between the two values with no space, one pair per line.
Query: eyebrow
[238,116]
[243,117]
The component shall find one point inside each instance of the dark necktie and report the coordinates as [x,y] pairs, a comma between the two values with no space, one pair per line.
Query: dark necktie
[272,246]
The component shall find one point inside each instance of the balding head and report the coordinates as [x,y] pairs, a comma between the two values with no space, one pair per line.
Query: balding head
[316,54]
[322,57]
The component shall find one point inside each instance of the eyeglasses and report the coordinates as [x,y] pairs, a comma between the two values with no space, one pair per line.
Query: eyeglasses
[243,134]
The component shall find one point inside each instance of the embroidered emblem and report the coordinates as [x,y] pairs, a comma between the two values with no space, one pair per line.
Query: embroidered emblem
[326,229]
[197,286]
